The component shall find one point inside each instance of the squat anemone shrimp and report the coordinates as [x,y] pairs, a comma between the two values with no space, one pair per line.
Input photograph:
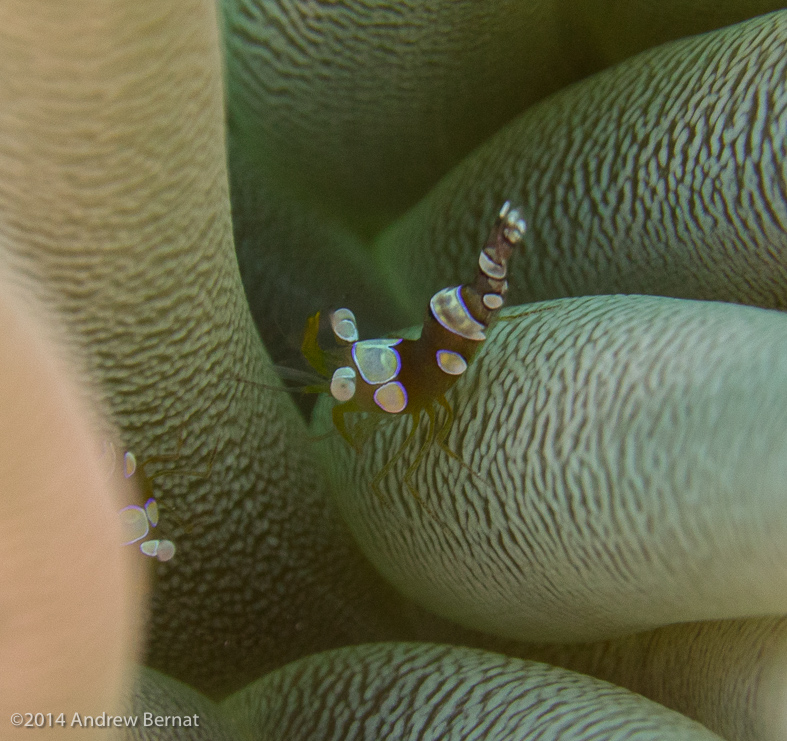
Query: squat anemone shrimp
[408,376]
[137,521]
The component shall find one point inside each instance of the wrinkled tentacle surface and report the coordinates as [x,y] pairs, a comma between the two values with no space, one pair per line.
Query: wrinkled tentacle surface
[421,691]
[729,675]
[624,440]
[114,207]
[161,696]
[363,105]
[662,175]
[352,108]
[311,83]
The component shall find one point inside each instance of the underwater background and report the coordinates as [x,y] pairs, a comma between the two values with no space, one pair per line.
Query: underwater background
[601,554]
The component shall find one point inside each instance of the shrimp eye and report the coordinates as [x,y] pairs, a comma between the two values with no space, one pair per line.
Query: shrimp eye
[343,383]
[344,325]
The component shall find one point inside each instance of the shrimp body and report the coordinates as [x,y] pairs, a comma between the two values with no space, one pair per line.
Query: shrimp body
[395,376]
[136,520]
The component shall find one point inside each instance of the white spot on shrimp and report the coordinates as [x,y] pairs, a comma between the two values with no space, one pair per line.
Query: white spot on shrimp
[449,309]
[492,301]
[134,521]
[489,267]
[451,362]
[343,383]
[129,464]
[391,398]
[151,510]
[166,550]
[344,325]
[377,361]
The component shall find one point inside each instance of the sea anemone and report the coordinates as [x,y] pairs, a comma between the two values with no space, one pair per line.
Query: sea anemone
[617,499]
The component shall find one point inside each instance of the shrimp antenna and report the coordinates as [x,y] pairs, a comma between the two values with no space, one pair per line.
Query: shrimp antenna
[313,388]
[298,376]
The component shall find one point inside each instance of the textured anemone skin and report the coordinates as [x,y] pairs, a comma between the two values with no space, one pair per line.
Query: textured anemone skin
[160,695]
[114,207]
[431,245]
[363,105]
[309,84]
[615,443]
[428,692]
[618,29]
[663,175]
[728,674]
[62,202]
[606,212]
